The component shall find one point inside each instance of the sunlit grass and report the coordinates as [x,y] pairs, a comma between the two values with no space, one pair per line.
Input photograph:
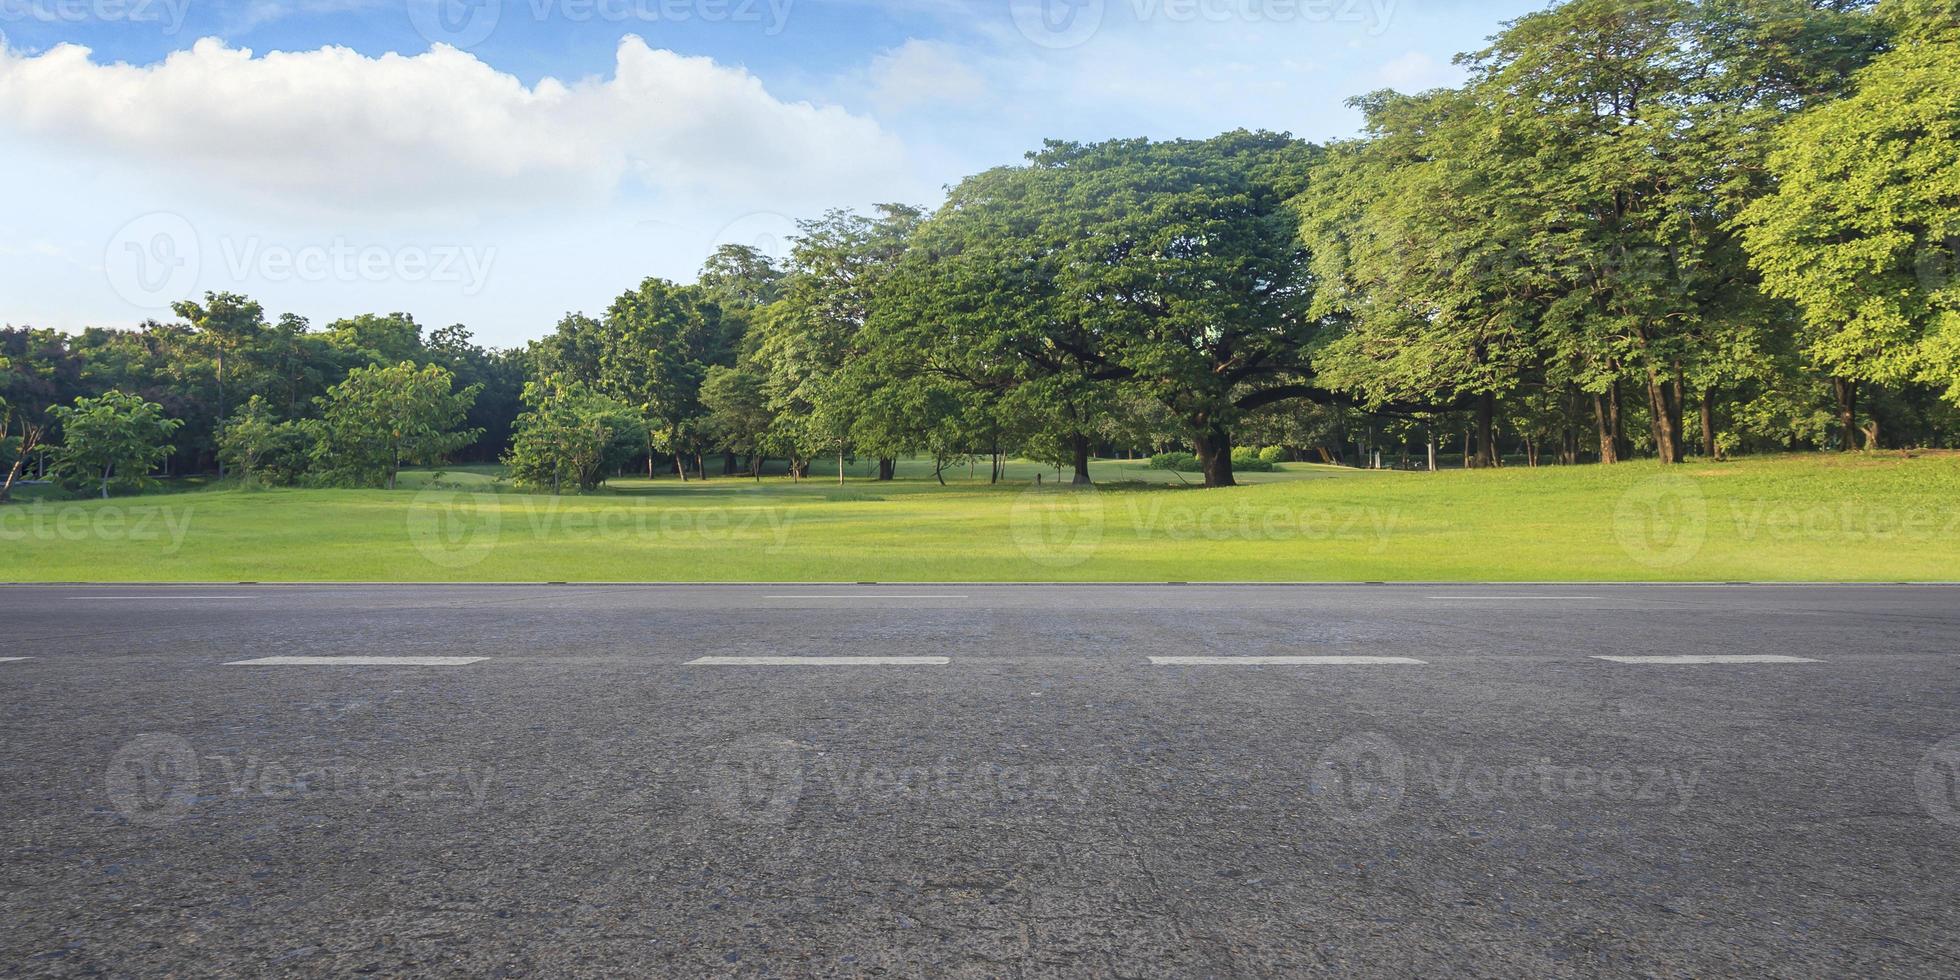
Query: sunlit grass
[1882,517]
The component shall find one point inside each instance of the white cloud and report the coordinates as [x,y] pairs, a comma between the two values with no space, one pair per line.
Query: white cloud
[332,128]
[924,73]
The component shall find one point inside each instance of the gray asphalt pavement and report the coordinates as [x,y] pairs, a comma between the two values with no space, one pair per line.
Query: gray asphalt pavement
[1423,780]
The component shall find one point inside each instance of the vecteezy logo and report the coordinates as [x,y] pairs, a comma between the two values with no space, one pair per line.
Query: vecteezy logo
[757,781]
[1360,780]
[1057,23]
[1938,782]
[1059,527]
[454,529]
[153,780]
[767,232]
[457,23]
[1662,521]
[153,260]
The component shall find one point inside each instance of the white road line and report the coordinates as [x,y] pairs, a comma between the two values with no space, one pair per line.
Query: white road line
[13,660]
[866,597]
[1513,598]
[162,598]
[1282,661]
[820,662]
[1700,659]
[358,662]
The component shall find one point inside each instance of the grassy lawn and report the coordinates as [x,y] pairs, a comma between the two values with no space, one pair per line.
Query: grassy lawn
[1884,517]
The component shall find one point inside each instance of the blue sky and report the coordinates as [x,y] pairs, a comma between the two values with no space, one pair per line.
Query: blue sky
[500,162]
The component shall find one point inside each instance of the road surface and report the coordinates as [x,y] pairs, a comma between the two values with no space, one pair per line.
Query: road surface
[980,781]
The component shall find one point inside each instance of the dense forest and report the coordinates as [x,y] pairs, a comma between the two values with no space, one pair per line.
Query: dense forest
[1641,228]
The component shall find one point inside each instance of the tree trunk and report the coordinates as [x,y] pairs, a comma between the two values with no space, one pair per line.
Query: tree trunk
[1467,464]
[1708,447]
[939,470]
[1609,441]
[728,463]
[1214,446]
[888,470]
[840,465]
[1487,431]
[221,415]
[1847,400]
[1662,418]
[1431,440]
[30,440]
[1079,446]
[105,482]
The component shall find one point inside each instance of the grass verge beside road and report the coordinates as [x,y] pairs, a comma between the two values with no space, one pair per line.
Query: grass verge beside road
[1884,517]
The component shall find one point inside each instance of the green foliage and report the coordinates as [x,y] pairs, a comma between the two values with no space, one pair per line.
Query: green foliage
[572,436]
[382,418]
[1863,229]
[1246,459]
[263,449]
[1176,462]
[111,442]
[1273,454]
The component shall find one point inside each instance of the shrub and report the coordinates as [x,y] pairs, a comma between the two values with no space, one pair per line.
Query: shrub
[1176,463]
[1246,459]
[1273,454]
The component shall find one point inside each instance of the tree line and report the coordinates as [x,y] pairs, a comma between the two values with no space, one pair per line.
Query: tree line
[1654,228]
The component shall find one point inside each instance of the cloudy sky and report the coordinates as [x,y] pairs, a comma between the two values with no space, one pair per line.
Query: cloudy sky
[500,162]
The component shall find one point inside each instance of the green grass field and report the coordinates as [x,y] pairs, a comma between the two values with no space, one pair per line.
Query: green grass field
[1887,517]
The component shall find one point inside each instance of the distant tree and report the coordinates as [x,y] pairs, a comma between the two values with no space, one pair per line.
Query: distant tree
[264,449]
[227,323]
[38,371]
[738,416]
[1862,231]
[381,418]
[375,339]
[117,438]
[662,339]
[572,435]
[740,276]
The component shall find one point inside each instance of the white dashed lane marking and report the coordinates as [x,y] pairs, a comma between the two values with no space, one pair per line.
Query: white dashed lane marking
[820,662]
[1284,661]
[13,660]
[358,662]
[1696,659]
[833,597]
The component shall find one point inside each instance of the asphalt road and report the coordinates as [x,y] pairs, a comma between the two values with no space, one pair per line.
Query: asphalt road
[1471,792]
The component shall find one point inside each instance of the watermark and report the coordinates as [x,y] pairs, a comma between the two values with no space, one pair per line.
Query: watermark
[770,233]
[468,23]
[1360,780]
[458,529]
[153,260]
[152,781]
[73,523]
[1849,521]
[757,781]
[156,780]
[454,529]
[1363,780]
[761,781]
[1063,24]
[1058,527]
[1662,521]
[342,261]
[159,258]
[167,14]
[1938,782]
[1162,516]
